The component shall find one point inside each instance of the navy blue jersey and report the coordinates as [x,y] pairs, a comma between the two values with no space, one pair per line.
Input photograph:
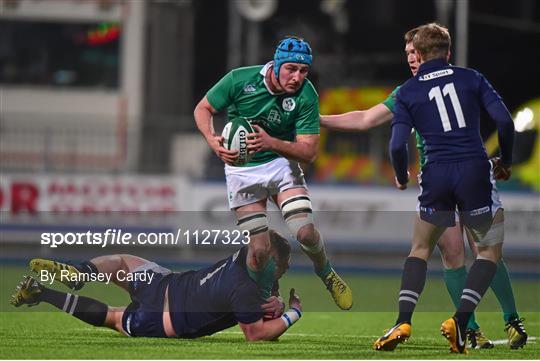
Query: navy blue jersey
[214,298]
[443,103]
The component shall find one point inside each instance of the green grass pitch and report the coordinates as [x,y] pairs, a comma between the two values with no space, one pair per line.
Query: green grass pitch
[322,333]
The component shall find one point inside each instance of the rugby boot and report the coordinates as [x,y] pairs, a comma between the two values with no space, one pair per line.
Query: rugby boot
[398,334]
[62,272]
[26,293]
[477,339]
[451,331]
[517,336]
[341,293]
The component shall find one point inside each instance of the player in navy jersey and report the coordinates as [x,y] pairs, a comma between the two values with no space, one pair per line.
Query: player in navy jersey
[169,304]
[443,103]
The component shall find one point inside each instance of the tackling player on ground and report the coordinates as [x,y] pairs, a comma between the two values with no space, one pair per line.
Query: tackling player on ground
[186,305]
[283,107]
[451,241]
[443,103]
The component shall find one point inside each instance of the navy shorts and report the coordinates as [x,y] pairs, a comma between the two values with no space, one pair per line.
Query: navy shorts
[144,315]
[465,185]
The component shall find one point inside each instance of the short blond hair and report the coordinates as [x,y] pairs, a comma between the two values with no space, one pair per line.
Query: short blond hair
[409,35]
[432,41]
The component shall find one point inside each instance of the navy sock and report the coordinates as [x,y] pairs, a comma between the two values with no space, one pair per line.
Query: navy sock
[478,281]
[85,309]
[412,285]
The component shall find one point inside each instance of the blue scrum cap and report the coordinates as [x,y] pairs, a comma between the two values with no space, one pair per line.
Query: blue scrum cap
[292,50]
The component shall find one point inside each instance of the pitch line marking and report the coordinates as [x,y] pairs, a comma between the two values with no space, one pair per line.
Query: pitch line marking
[496,342]
[504,342]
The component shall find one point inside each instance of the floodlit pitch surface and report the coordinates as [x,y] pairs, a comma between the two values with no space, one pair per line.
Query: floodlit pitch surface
[43,332]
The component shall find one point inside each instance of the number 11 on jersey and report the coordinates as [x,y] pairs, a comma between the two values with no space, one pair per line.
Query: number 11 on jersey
[450,90]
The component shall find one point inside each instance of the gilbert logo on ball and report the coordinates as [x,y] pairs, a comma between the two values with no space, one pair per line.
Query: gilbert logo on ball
[235,138]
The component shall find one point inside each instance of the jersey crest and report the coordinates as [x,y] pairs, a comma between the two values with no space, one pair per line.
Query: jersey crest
[288,104]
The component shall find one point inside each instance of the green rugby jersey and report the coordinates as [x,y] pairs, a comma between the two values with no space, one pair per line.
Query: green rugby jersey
[244,93]
[390,103]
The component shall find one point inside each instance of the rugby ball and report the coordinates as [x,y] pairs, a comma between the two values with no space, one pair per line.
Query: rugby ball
[235,136]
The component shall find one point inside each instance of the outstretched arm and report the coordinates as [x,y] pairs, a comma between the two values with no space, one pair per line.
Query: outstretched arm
[358,120]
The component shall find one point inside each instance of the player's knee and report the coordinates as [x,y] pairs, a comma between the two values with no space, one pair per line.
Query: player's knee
[453,255]
[298,214]
[307,235]
[114,319]
[453,260]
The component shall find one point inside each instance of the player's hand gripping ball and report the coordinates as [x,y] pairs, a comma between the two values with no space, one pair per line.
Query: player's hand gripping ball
[235,136]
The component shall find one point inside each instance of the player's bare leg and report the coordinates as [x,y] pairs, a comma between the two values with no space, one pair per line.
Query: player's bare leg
[451,245]
[297,212]
[425,236]
[252,218]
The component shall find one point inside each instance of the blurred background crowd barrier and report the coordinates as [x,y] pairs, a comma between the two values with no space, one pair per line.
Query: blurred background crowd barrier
[97,98]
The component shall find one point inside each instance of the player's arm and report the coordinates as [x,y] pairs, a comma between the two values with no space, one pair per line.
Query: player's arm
[307,127]
[358,120]
[304,149]
[204,113]
[496,109]
[269,330]
[505,128]
[401,129]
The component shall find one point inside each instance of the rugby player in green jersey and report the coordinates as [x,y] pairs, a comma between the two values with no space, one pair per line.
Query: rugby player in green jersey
[283,108]
[451,242]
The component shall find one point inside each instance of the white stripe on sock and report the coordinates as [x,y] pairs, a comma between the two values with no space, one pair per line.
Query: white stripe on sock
[472,292]
[473,300]
[405,298]
[408,292]
[72,309]
[68,297]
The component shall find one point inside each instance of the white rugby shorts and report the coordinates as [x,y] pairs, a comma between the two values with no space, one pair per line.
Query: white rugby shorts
[246,185]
